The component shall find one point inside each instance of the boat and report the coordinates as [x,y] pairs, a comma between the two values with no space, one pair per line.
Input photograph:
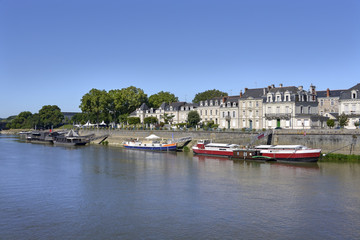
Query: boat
[206,147]
[289,153]
[151,143]
[39,136]
[71,139]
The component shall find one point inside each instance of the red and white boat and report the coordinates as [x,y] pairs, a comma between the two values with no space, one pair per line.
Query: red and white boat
[206,147]
[290,153]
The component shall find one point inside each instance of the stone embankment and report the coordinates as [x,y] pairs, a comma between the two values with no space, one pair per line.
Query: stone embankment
[339,140]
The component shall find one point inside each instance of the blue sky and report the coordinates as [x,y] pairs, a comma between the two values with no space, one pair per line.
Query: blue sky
[53,52]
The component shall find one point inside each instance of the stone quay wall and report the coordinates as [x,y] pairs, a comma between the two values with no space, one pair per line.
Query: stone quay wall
[338,140]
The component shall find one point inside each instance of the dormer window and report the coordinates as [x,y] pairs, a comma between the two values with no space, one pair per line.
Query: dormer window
[201,103]
[269,99]
[216,103]
[206,103]
[182,108]
[229,104]
[353,94]
[171,108]
[211,102]
[234,104]
[278,98]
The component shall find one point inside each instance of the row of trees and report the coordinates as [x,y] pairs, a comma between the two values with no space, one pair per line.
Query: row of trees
[116,105]
[47,117]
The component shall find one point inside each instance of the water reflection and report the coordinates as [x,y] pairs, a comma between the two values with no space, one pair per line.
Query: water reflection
[101,192]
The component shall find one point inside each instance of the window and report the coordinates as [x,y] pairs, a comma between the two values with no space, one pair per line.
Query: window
[206,103]
[205,112]
[243,113]
[321,102]
[257,104]
[234,104]
[200,112]
[243,104]
[229,104]
[301,109]
[233,113]
[244,123]
[278,98]
[269,110]
[287,98]
[201,103]
[309,110]
[210,112]
[256,113]
[332,102]
[215,112]
[250,104]
[223,113]
[211,102]
[287,109]
[269,99]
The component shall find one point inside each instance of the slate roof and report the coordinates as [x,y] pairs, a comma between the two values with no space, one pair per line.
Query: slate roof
[144,107]
[333,93]
[284,89]
[254,93]
[347,93]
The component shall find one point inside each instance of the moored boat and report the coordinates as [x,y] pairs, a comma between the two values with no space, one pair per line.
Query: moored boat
[217,149]
[289,153]
[152,143]
[71,139]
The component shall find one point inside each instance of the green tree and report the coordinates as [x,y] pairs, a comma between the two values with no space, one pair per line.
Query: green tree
[357,124]
[150,120]
[167,118]
[330,123]
[157,99]
[208,95]
[23,120]
[96,103]
[343,120]
[133,120]
[193,118]
[126,100]
[50,116]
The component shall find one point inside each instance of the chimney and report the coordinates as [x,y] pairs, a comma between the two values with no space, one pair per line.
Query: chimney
[327,92]
[269,87]
[280,85]
[224,99]
[264,91]
[273,85]
[245,90]
[241,93]
[300,88]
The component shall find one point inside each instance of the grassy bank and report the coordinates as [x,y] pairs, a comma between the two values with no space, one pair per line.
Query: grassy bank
[335,157]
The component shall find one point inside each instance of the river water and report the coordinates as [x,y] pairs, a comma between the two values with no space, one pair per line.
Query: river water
[97,192]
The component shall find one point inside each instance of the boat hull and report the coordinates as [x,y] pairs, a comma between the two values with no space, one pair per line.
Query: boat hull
[312,156]
[213,152]
[167,147]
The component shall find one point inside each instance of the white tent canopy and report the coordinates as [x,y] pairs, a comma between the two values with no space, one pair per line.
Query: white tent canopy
[88,124]
[152,136]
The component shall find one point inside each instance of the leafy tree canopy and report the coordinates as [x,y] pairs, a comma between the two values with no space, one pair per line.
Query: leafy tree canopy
[50,116]
[23,120]
[330,123]
[193,118]
[126,100]
[96,102]
[150,120]
[157,99]
[208,95]
[343,120]
[133,120]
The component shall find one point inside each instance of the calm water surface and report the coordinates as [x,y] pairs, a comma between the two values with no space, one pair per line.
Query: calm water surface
[97,192]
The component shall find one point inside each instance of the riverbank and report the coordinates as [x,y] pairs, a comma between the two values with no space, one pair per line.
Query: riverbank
[330,140]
